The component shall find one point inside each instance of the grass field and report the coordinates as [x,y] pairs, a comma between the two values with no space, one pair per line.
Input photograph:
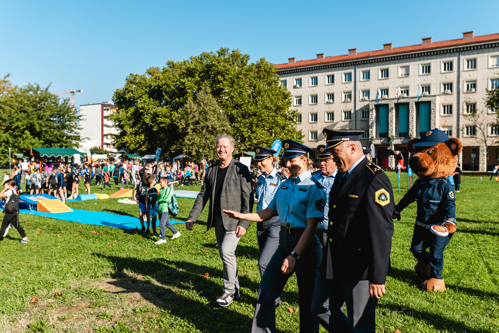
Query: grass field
[99,279]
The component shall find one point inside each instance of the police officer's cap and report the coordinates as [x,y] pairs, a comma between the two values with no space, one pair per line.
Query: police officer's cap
[262,153]
[366,150]
[293,149]
[338,136]
[323,153]
[431,138]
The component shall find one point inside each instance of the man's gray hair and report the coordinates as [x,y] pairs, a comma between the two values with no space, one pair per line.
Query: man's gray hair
[225,136]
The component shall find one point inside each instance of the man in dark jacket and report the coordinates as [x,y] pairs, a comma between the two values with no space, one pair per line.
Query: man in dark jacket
[227,185]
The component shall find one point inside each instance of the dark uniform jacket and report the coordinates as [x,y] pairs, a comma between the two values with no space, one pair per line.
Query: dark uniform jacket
[360,226]
[236,195]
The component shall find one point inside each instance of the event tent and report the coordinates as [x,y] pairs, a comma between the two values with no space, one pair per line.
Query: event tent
[55,152]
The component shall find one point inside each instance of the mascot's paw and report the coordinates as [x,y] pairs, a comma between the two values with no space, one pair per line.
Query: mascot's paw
[451,227]
[434,285]
[423,270]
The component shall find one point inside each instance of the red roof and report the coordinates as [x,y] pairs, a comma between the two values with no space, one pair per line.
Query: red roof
[394,51]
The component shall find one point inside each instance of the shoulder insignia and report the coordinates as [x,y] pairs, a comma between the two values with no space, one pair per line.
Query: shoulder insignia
[316,172]
[284,187]
[451,194]
[319,205]
[382,197]
[373,168]
[302,189]
[281,175]
[316,182]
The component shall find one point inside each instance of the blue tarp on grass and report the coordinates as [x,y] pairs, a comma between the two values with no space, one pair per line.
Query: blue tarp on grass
[94,218]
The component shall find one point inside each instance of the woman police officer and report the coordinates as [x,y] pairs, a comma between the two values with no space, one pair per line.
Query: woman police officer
[299,202]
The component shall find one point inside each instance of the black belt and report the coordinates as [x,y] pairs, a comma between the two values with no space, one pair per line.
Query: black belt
[293,231]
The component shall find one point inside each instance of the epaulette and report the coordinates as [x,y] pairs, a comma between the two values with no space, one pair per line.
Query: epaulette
[281,175]
[373,168]
[315,172]
[316,182]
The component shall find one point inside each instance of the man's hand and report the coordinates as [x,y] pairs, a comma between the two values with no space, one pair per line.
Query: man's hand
[288,264]
[396,215]
[376,290]
[189,224]
[240,231]
[233,214]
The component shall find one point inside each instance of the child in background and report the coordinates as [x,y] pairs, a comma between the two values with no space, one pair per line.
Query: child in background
[106,180]
[164,198]
[151,205]
[126,179]
[27,178]
[11,218]
[5,178]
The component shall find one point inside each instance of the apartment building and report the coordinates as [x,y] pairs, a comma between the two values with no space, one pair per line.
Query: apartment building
[97,128]
[397,93]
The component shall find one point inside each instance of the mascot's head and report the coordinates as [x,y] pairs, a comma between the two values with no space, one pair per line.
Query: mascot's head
[434,155]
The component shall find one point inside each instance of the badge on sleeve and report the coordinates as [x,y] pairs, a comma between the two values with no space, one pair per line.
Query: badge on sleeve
[319,205]
[382,197]
[451,195]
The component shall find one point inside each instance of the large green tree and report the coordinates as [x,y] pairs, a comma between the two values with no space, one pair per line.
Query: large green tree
[492,100]
[33,117]
[249,95]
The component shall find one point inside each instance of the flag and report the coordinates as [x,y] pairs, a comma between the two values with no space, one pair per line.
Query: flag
[377,94]
[419,92]
[373,154]
[397,93]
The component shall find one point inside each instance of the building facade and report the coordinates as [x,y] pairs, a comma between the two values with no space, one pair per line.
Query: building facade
[97,128]
[395,94]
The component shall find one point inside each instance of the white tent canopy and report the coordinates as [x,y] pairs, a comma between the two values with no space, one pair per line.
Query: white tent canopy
[99,156]
[149,157]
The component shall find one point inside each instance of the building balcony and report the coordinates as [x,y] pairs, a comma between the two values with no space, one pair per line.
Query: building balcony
[110,131]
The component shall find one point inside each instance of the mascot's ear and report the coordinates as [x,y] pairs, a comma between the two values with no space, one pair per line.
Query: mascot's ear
[455,146]
[411,143]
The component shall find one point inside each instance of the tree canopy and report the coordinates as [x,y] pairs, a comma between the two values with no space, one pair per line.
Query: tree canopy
[152,106]
[33,117]
[492,100]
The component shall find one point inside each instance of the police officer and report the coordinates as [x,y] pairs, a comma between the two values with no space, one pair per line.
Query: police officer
[269,181]
[299,202]
[357,257]
[367,153]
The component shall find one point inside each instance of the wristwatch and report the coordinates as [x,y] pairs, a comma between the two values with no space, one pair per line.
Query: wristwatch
[295,255]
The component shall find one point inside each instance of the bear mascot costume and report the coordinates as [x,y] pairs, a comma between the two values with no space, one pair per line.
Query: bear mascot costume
[434,159]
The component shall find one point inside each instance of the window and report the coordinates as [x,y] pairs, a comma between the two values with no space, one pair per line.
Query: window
[365,134]
[383,93]
[347,77]
[366,75]
[426,69]
[298,100]
[329,116]
[329,98]
[494,61]
[364,115]
[448,66]
[314,81]
[312,136]
[347,115]
[471,63]
[298,120]
[494,83]
[425,90]
[470,130]
[298,83]
[471,108]
[494,130]
[284,83]
[313,118]
[329,79]
[447,130]
[404,71]
[347,96]
[447,110]
[313,99]
[447,88]
[383,73]
[470,86]
[366,94]
[404,91]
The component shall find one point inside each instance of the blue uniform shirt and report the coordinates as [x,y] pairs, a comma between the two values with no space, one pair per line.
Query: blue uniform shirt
[298,199]
[327,183]
[267,188]
[436,201]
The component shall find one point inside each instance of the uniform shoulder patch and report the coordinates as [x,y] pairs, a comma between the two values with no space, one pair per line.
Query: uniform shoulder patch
[451,194]
[281,175]
[373,168]
[382,197]
[316,182]
[319,205]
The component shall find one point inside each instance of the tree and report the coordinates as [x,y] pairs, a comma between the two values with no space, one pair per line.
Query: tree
[98,150]
[5,85]
[250,96]
[33,117]
[199,123]
[492,100]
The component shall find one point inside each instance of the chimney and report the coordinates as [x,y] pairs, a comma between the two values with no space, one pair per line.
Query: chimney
[387,46]
[427,40]
[352,51]
[291,60]
[468,34]
[321,56]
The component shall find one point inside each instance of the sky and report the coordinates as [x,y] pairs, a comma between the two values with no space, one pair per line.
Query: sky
[95,45]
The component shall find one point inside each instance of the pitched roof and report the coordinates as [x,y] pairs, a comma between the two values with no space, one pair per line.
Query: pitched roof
[394,51]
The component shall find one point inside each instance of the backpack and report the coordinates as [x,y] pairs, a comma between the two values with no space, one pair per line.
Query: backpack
[52,179]
[153,196]
[173,206]
[12,205]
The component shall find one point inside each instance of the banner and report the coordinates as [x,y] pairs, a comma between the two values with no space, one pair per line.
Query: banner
[277,146]
[158,152]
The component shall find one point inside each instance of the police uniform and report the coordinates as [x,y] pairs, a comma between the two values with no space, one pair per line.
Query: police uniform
[296,200]
[267,231]
[359,240]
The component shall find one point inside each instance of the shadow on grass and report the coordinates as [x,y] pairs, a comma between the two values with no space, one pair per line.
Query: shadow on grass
[481,232]
[408,276]
[188,277]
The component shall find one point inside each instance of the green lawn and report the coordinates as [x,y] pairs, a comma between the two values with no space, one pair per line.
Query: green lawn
[111,280]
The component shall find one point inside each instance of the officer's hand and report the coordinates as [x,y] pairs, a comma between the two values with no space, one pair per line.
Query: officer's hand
[288,264]
[451,227]
[240,231]
[376,290]
[396,215]
[189,224]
